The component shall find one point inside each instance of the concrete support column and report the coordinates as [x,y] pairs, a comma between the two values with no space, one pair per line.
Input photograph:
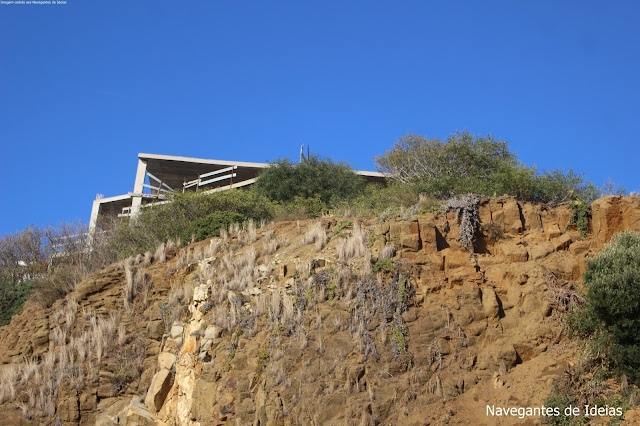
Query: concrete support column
[93,221]
[138,187]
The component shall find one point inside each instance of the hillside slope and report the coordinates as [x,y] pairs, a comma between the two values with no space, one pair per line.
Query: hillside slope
[334,321]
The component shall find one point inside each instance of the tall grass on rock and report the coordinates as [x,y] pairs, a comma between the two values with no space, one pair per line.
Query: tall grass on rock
[189,215]
[316,234]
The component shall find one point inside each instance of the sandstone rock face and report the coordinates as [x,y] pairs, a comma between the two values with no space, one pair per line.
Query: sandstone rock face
[176,331]
[201,293]
[166,360]
[514,252]
[135,414]
[159,389]
[303,337]
[613,214]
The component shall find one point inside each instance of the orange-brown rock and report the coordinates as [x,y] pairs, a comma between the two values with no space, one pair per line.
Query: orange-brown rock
[431,340]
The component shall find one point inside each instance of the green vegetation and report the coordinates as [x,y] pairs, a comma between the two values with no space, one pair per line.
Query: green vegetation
[197,214]
[580,214]
[383,264]
[581,387]
[466,164]
[561,399]
[210,225]
[331,289]
[47,261]
[323,181]
[339,227]
[608,321]
[610,318]
[233,345]
[399,336]
[378,198]
[424,172]
[12,297]
[263,357]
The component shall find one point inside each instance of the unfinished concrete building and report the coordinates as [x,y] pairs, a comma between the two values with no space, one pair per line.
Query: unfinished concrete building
[158,175]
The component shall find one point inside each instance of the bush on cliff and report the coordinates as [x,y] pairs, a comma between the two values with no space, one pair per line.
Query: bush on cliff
[210,225]
[12,297]
[189,213]
[325,180]
[610,318]
[480,165]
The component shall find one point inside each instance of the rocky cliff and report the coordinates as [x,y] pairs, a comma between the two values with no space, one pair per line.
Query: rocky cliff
[334,321]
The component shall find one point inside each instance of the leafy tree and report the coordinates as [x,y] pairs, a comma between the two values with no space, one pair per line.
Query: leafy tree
[313,178]
[611,314]
[481,165]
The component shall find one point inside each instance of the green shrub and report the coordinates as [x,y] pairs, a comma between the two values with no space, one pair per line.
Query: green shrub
[12,298]
[330,182]
[611,315]
[579,387]
[185,214]
[480,165]
[339,227]
[210,225]
[383,265]
[560,400]
[580,214]
[310,207]
[378,198]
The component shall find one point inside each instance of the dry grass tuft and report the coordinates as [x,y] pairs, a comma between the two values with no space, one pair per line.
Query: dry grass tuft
[8,379]
[44,379]
[250,235]
[283,241]
[366,263]
[354,246]
[160,255]
[275,306]
[316,234]
[224,236]
[270,246]
[388,252]
[211,249]
[29,369]
[242,270]
[234,229]
[128,288]
[304,270]
[262,305]
[59,336]
[146,261]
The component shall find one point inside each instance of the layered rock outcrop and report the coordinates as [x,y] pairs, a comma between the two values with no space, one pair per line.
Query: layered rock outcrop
[391,322]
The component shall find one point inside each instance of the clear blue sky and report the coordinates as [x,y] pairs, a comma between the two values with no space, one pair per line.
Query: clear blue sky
[86,86]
